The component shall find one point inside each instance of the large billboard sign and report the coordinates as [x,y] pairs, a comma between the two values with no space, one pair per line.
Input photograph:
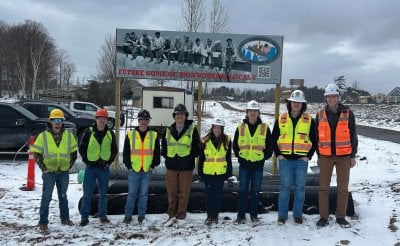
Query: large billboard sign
[170,55]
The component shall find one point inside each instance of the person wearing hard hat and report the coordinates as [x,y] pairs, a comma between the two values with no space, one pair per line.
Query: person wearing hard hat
[179,146]
[337,146]
[252,145]
[141,155]
[55,151]
[215,166]
[294,145]
[98,149]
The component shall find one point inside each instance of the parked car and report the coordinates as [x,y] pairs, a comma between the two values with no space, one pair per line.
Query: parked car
[88,108]
[42,110]
[17,124]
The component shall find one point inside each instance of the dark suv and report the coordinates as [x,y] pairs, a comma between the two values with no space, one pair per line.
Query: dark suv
[17,125]
[42,110]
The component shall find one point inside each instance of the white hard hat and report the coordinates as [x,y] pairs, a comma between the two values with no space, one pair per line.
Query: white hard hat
[253,105]
[297,96]
[331,89]
[218,122]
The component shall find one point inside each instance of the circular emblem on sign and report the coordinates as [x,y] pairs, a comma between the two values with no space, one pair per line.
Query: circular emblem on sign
[259,50]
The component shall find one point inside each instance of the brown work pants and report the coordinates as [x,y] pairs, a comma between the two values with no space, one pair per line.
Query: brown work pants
[342,165]
[178,188]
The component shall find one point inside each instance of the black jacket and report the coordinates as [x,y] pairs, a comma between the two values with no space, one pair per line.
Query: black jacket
[181,163]
[267,150]
[127,150]
[202,158]
[99,136]
[333,120]
[276,134]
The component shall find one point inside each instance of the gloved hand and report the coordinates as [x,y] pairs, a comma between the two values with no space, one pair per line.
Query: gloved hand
[42,167]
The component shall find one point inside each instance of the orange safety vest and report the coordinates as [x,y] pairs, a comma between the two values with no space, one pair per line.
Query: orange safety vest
[342,134]
[142,151]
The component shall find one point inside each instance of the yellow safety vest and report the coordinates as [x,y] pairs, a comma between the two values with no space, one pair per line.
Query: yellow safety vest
[142,151]
[215,162]
[297,142]
[55,158]
[181,147]
[95,151]
[251,147]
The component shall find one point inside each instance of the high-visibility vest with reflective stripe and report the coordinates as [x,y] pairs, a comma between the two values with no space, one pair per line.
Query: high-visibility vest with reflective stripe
[55,158]
[215,162]
[342,134]
[181,147]
[297,141]
[251,147]
[142,151]
[95,151]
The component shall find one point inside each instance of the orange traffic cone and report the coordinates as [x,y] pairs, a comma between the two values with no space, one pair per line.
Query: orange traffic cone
[30,181]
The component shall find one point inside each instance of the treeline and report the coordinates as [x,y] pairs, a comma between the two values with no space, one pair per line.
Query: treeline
[313,94]
[30,60]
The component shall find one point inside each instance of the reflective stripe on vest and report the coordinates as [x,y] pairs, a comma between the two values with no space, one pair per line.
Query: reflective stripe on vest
[215,162]
[183,146]
[297,141]
[251,147]
[55,158]
[142,151]
[96,151]
[342,134]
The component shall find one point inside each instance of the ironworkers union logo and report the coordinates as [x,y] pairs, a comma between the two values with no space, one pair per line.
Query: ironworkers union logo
[259,50]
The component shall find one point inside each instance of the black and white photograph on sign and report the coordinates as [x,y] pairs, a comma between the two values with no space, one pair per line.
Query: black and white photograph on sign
[238,58]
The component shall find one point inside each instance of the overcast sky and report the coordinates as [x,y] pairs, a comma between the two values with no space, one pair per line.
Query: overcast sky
[359,39]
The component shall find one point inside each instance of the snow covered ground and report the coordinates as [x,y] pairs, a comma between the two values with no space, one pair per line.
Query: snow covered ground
[374,183]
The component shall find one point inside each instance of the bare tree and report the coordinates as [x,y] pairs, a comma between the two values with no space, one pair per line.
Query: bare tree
[194,15]
[219,18]
[29,51]
[68,71]
[106,62]
[356,85]
[62,58]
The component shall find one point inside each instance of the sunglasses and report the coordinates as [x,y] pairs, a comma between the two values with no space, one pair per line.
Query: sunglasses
[142,119]
[57,120]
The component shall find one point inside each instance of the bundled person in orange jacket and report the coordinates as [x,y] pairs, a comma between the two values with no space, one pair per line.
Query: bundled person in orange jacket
[337,147]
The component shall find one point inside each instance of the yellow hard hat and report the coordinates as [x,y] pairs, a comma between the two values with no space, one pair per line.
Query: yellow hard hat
[56,114]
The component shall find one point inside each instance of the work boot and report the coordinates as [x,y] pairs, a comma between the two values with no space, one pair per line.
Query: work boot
[343,222]
[43,227]
[67,222]
[322,222]
[127,220]
[214,218]
[104,220]
[298,220]
[281,221]
[84,223]
[208,220]
[240,220]
[140,219]
[254,218]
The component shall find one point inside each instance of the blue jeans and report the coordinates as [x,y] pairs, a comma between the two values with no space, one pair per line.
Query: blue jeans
[292,172]
[138,186]
[254,178]
[61,181]
[214,186]
[92,174]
